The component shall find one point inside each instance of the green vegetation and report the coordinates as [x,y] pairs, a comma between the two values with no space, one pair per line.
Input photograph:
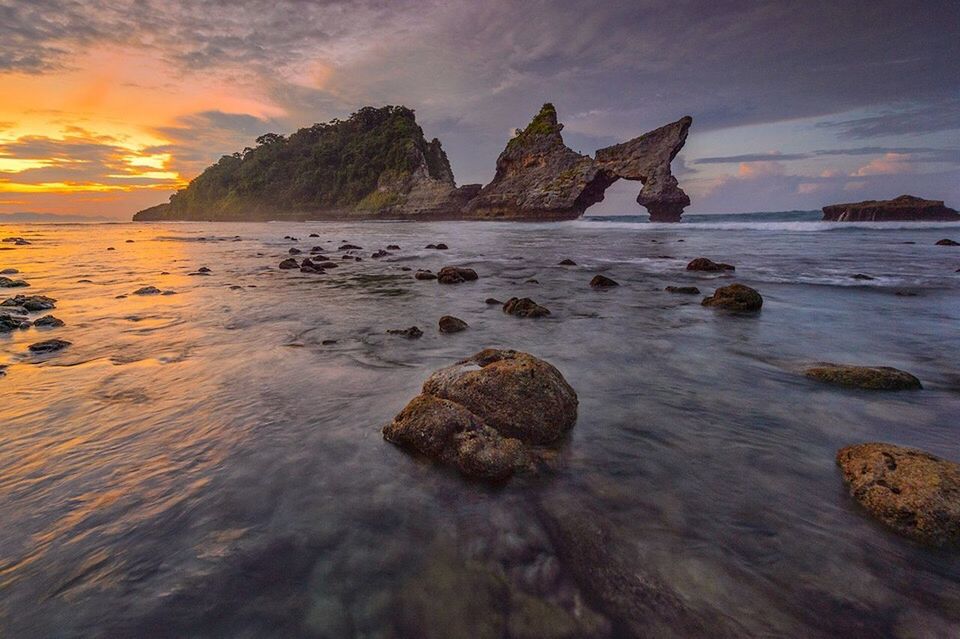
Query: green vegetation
[544,123]
[331,166]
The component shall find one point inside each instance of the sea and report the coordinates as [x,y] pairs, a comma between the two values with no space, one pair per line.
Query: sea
[208,462]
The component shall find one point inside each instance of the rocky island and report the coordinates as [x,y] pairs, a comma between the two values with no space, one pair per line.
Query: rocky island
[906,208]
[377,164]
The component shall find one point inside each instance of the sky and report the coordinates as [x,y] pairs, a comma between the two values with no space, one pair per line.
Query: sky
[109,106]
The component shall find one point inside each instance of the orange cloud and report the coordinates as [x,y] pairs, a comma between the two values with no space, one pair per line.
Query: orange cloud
[889,164]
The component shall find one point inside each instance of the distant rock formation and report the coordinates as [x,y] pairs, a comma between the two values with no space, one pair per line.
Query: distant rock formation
[378,165]
[539,177]
[906,208]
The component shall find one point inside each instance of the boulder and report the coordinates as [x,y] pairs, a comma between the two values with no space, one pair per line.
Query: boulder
[524,307]
[866,377]
[909,490]
[10,322]
[704,264]
[451,324]
[289,263]
[6,282]
[49,346]
[947,242]
[906,208]
[410,333]
[735,297]
[424,274]
[685,290]
[30,302]
[456,275]
[49,321]
[484,413]
[601,281]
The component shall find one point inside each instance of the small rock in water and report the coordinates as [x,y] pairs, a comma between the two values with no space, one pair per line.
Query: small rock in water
[424,274]
[10,322]
[861,276]
[49,346]
[314,235]
[410,333]
[709,266]
[866,377]
[381,253]
[328,342]
[735,297]
[31,302]
[441,246]
[9,271]
[909,490]
[451,324]
[110,248]
[947,242]
[203,269]
[129,241]
[456,275]
[567,262]
[350,247]
[327,264]
[482,413]
[6,282]
[524,307]
[147,290]
[49,321]
[492,300]
[3,370]
[289,263]
[393,247]
[294,251]
[686,290]
[600,281]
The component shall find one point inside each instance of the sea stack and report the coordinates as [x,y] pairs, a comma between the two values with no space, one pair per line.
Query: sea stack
[906,208]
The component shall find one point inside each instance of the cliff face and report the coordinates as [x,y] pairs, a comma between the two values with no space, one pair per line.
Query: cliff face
[377,165]
[905,208]
[539,177]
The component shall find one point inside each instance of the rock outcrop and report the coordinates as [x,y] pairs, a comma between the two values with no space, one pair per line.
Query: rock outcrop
[378,165]
[538,177]
[909,490]
[485,413]
[906,208]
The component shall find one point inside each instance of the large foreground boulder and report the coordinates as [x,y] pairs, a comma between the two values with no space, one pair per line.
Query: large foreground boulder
[913,492]
[484,413]
[867,377]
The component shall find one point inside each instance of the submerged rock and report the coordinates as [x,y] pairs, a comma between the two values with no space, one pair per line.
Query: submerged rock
[49,346]
[289,263]
[410,333]
[350,247]
[861,276]
[601,281]
[148,290]
[947,242]
[483,413]
[31,302]
[424,274]
[909,490]
[381,253]
[866,377]
[524,307]
[492,300]
[456,275]
[6,282]
[451,324]
[735,297]
[905,208]
[49,321]
[709,266]
[685,290]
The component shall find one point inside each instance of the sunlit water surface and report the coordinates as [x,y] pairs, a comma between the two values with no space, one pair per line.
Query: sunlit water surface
[209,463]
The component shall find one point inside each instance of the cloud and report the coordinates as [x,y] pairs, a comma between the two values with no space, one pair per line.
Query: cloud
[912,119]
[889,164]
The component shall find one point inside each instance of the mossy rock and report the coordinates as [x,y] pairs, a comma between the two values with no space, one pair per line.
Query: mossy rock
[866,377]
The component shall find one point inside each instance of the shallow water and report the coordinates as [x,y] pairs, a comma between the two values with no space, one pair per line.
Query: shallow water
[203,464]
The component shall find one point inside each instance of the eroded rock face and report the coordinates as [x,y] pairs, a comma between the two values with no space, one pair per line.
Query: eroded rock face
[867,377]
[736,297]
[906,208]
[484,413]
[911,491]
[539,177]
